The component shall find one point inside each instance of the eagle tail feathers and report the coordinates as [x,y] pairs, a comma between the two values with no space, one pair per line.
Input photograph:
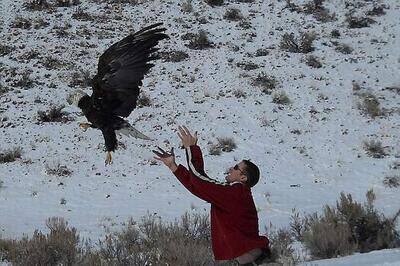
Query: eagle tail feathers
[130,131]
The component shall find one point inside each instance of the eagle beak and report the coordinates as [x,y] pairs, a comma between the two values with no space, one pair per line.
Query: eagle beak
[108,158]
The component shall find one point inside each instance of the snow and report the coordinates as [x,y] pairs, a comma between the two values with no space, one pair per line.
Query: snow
[299,171]
[390,257]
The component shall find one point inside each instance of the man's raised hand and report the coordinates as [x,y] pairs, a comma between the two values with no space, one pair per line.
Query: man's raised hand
[167,158]
[187,138]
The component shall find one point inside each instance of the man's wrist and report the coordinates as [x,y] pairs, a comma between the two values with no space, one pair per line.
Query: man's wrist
[173,167]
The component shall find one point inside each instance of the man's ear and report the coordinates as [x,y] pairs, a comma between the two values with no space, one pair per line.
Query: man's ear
[243,178]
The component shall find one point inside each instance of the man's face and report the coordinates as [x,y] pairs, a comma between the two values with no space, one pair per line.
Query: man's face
[236,173]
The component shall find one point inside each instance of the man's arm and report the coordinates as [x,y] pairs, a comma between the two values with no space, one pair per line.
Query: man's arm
[189,141]
[221,194]
[196,159]
[212,191]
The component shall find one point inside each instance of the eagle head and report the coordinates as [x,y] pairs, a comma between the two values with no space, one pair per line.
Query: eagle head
[74,97]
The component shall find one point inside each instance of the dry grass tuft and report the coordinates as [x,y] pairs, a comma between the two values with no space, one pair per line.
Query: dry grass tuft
[302,44]
[347,228]
[392,181]
[214,2]
[58,247]
[374,148]
[199,41]
[10,155]
[370,105]
[224,145]
[266,82]
[54,114]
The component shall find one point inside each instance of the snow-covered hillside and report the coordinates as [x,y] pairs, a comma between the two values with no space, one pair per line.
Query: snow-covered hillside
[309,148]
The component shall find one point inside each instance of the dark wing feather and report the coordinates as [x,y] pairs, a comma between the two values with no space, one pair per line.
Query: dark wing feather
[121,69]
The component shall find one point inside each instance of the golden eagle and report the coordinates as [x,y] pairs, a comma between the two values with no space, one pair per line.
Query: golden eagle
[116,85]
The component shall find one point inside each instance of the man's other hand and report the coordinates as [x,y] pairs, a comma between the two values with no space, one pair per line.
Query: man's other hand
[167,158]
[187,138]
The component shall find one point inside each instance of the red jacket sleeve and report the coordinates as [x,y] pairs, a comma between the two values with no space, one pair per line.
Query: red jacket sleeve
[196,159]
[222,194]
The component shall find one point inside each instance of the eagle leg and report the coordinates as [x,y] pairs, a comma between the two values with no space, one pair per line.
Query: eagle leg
[108,158]
[85,126]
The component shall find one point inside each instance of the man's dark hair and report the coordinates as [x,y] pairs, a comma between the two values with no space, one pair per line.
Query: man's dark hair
[252,172]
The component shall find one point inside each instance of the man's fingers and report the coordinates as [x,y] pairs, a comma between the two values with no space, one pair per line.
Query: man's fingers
[161,150]
[157,153]
[181,132]
[186,130]
[180,135]
[164,154]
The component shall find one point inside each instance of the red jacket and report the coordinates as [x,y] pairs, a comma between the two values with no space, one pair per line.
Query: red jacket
[234,220]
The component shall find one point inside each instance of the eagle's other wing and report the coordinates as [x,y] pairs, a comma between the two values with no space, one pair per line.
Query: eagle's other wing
[121,69]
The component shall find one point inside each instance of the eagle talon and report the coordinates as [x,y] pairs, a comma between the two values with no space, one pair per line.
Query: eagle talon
[85,126]
[108,160]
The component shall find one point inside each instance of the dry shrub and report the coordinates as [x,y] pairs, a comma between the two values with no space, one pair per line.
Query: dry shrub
[238,93]
[223,145]
[292,6]
[187,6]
[313,61]
[395,165]
[173,56]
[370,105]
[233,14]
[262,52]
[36,5]
[343,48]
[214,149]
[58,247]
[214,2]
[377,11]
[335,33]
[281,246]
[143,100]
[328,236]
[3,89]
[302,44]
[25,81]
[82,79]
[21,23]
[359,22]
[247,65]
[227,144]
[391,181]
[51,63]
[10,155]
[150,242]
[348,227]
[54,114]
[199,41]
[371,230]
[280,98]
[58,170]
[67,3]
[153,243]
[5,49]
[319,12]
[374,148]
[298,226]
[82,15]
[266,82]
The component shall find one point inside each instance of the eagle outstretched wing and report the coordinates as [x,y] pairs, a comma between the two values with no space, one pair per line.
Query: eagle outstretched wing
[121,69]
